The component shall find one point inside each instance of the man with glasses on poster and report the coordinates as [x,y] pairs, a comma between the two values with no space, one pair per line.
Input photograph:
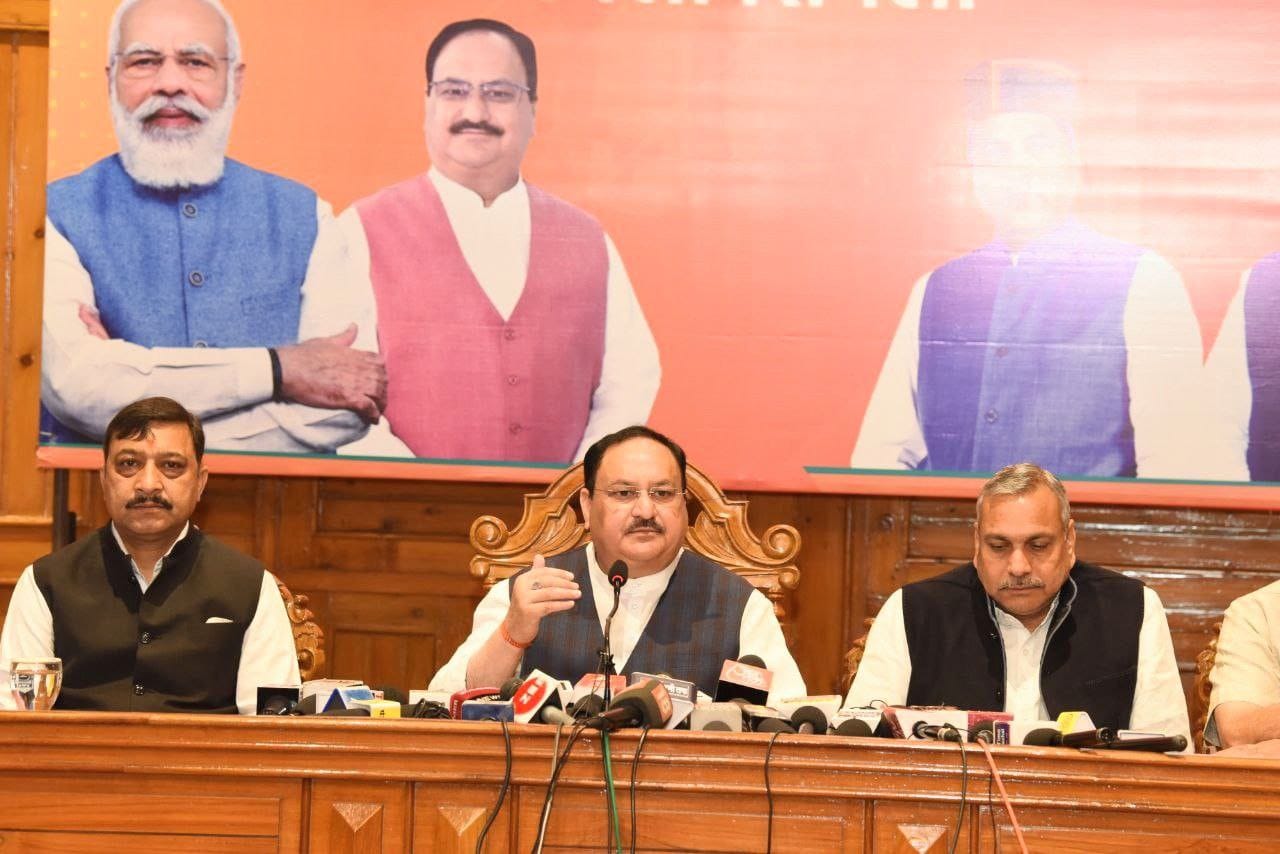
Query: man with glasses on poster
[509,325]
[174,270]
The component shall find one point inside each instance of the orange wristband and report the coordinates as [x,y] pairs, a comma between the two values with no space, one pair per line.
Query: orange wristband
[506,636]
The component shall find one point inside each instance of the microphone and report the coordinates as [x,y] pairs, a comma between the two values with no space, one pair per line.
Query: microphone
[809,720]
[937,732]
[588,706]
[618,574]
[617,577]
[537,692]
[557,716]
[856,727]
[1155,744]
[774,725]
[722,717]
[1045,737]
[647,704]
[684,695]
[744,679]
[278,700]
[508,689]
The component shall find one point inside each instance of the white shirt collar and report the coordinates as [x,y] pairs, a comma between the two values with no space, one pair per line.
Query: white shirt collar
[648,583]
[454,196]
[155,573]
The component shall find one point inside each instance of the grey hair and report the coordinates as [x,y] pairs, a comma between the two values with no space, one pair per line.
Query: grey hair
[1020,479]
[233,37]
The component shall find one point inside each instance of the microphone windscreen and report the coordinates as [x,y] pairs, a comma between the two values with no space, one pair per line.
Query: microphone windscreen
[588,707]
[649,702]
[508,689]
[1043,737]
[854,727]
[753,660]
[985,731]
[716,726]
[774,725]
[618,573]
[811,715]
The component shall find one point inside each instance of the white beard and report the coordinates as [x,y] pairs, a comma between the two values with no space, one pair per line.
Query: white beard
[167,158]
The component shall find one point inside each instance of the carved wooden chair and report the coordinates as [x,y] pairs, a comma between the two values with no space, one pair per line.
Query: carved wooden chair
[1201,688]
[853,658]
[550,525]
[307,636]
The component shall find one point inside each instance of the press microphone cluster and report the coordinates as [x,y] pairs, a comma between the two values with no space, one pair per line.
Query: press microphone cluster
[646,704]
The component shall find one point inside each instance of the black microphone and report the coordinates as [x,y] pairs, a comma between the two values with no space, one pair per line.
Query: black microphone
[644,704]
[854,727]
[617,577]
[937,732]
[745,679]
[391,693]
[774,725]
[509,688]
[588,707]
[809,720]
[1155,744]
[1046,737]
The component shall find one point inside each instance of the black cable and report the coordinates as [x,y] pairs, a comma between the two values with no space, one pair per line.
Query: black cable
[768,793]
[502,792]
[635,767]
[964,784]
[551,785]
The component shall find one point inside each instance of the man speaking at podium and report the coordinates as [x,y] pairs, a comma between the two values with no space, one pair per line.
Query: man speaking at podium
[680,613]
[150,614]
[1026,628]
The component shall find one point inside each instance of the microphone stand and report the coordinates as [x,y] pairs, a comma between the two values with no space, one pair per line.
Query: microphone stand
[606,651]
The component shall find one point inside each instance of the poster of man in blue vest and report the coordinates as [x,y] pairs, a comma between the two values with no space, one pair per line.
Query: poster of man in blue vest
[1052,342]
[174,270]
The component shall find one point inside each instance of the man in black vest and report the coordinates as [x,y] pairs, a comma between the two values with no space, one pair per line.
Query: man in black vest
[148,613]
[1026,627]
[680,613]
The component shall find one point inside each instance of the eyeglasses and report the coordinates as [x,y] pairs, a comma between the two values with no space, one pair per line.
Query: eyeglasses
[198,65]
[493,92]
[658,494]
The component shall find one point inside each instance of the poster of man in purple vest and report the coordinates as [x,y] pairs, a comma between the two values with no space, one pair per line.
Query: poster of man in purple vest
[1243,376]
[174,270]
[1053,342]
[510,328]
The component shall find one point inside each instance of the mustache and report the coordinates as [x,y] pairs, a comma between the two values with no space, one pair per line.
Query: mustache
[153,500]
[466,124]
[193,108]
[646,525]
[1028,583]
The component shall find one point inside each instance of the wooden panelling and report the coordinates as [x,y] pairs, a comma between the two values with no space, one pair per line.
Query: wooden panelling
[385,563]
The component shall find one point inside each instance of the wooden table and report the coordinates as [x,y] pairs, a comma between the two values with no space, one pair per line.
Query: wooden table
[150,783]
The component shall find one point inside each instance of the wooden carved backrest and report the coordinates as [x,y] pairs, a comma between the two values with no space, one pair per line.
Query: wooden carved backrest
[307,636]
[550,525]
[1201,688]
[853,657]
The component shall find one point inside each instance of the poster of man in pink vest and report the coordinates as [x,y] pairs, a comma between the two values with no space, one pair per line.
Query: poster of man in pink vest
[509,326]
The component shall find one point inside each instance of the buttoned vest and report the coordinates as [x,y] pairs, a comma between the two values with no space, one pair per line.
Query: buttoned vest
[694,628]
[1028,361]
[159,651]
[462,382]
[1090,658]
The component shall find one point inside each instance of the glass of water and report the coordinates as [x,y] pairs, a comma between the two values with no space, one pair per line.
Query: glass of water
[35,682]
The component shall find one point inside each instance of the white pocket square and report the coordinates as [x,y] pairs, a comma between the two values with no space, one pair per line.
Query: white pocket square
[216,620]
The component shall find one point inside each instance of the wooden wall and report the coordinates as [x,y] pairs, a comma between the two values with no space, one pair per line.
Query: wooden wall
[385,562]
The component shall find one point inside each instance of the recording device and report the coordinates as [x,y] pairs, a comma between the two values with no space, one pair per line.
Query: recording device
[647,704]
[744,679]
[278,699]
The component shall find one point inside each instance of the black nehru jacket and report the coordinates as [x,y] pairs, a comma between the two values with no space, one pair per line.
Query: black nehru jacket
[694,628]
[1090,659]
[123,650]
